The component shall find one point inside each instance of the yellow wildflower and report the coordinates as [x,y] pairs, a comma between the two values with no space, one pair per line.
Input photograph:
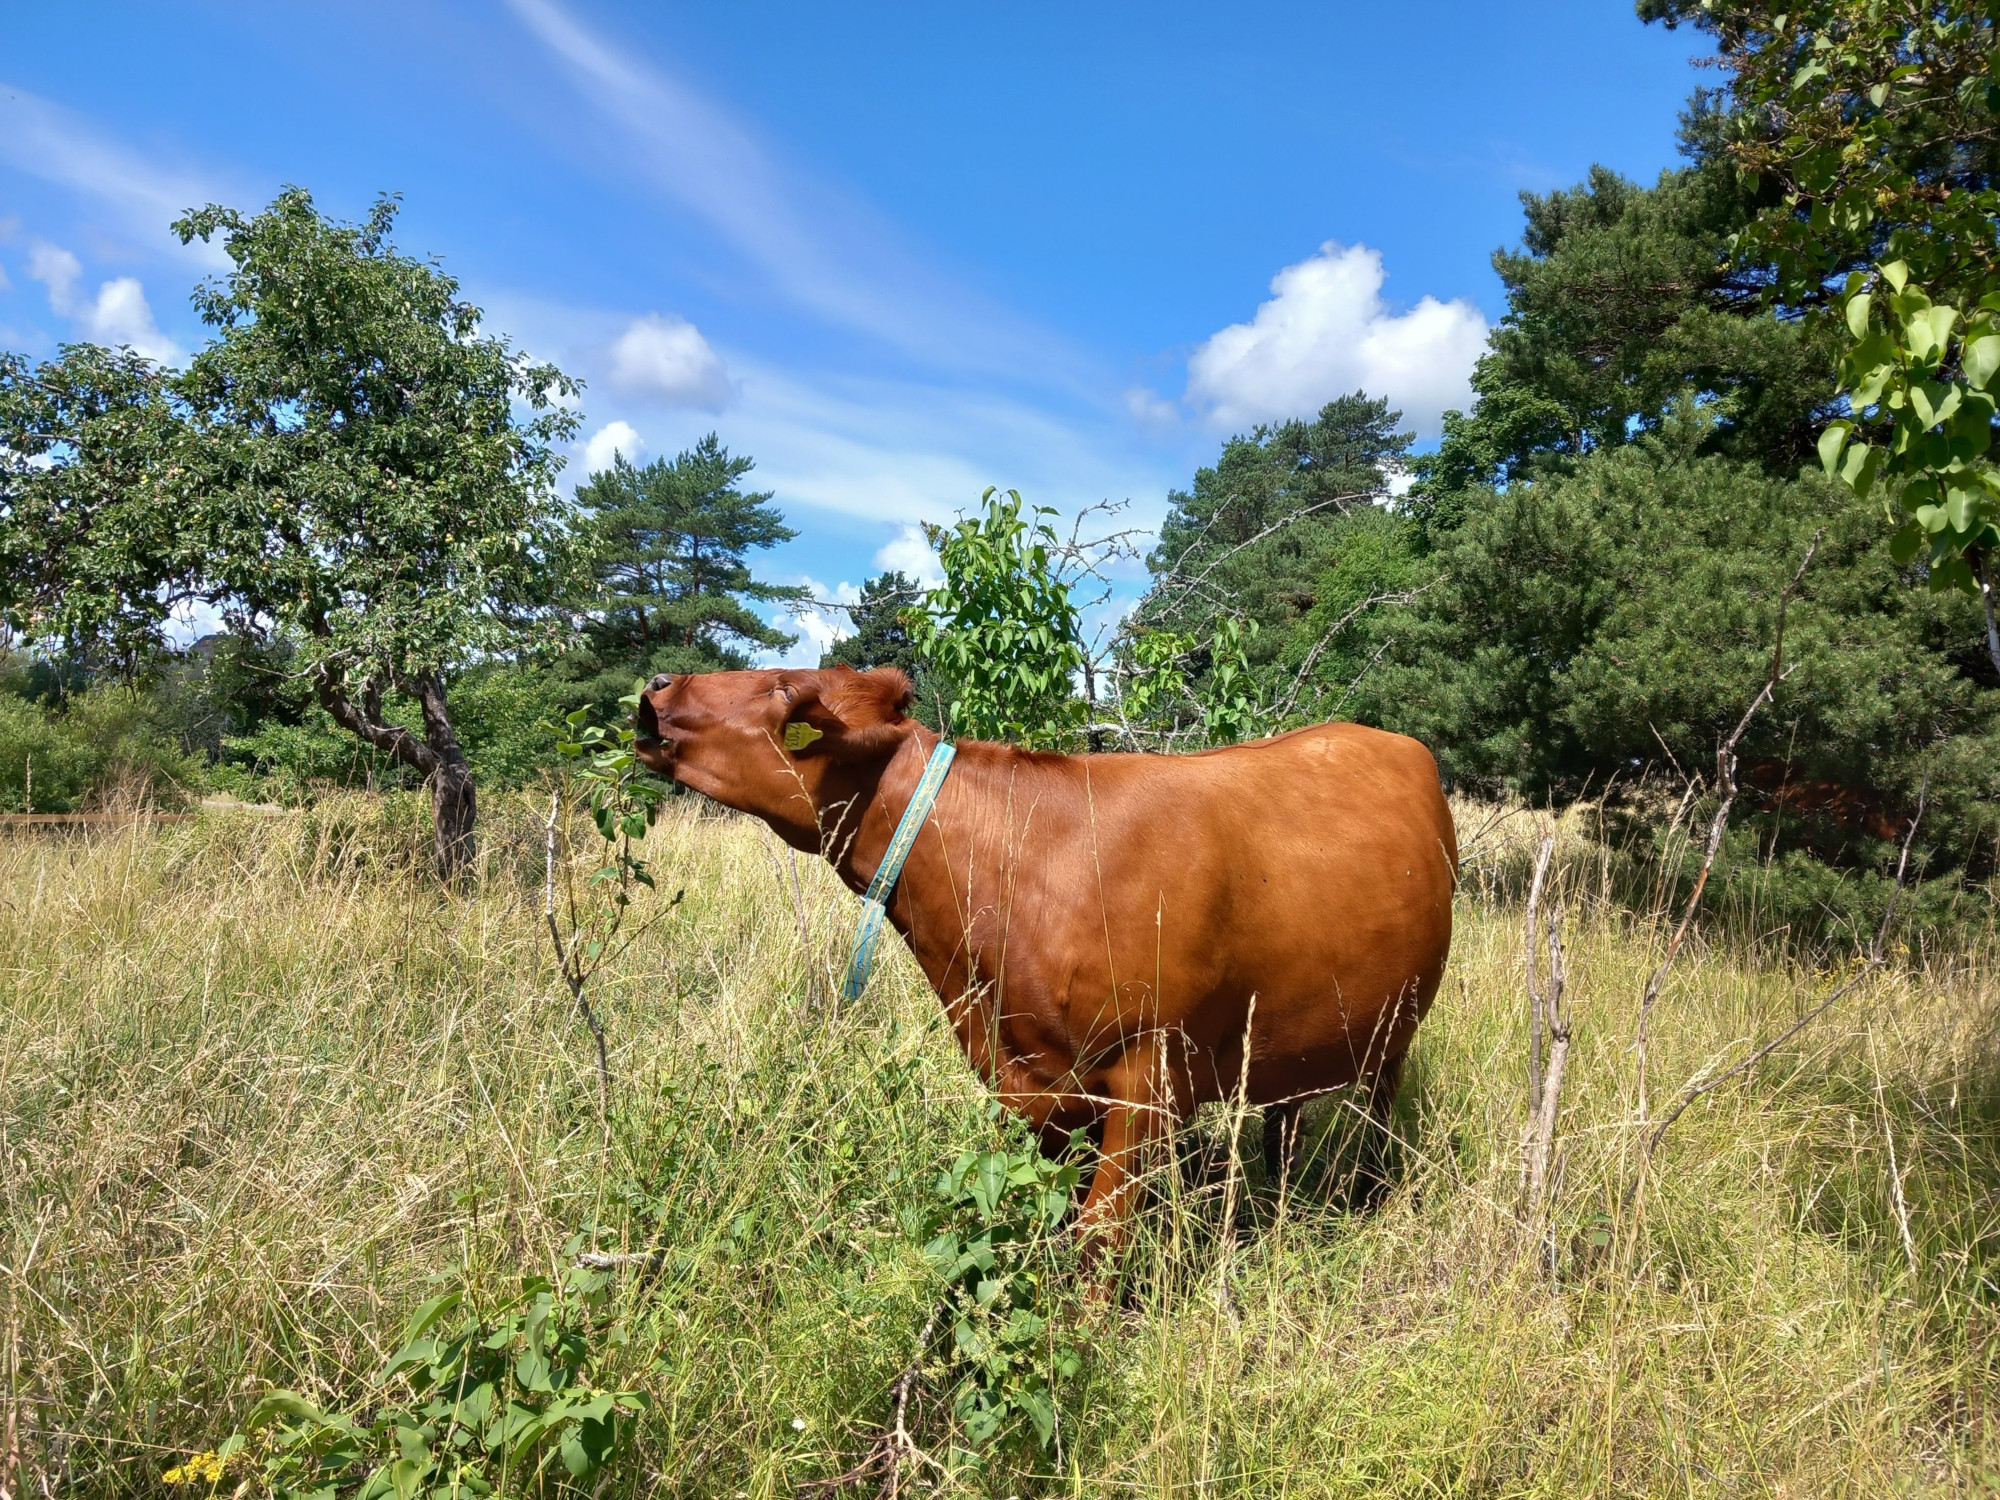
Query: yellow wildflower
[203,1468]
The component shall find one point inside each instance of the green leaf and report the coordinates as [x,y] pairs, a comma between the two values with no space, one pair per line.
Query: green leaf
[1857,314]
[1858,469]
[277,1404]
[1868,389]
[1831,442]
[1981,357]
[1961,507]
[422,1319]
[1897,274]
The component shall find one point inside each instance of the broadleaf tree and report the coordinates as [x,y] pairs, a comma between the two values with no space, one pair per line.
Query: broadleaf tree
[350,464]
[1874,127]
[87,448]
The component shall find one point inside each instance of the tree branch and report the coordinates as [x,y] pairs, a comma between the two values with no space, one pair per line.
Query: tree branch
[364,719]
[1874,960]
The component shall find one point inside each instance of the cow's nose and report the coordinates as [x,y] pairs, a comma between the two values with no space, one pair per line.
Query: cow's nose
[660,680]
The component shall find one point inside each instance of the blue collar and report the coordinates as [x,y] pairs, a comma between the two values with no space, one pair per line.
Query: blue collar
[900,843]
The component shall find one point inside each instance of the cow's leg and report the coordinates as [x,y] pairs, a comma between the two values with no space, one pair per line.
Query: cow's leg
[1281,1141]
[1371,1178]
[1134,1120]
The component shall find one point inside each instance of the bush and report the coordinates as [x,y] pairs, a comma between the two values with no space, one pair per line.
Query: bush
[101,750]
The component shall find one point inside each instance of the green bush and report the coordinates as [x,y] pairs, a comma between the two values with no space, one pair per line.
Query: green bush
[100,750]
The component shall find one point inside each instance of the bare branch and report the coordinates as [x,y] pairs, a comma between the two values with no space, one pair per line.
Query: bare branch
[1874,960]
[1725,779]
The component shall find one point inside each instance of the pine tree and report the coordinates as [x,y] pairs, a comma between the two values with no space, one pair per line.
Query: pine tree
[671,543]
[1255,530]
[880,638]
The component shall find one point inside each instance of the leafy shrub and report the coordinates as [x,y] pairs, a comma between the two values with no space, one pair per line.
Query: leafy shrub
[1009,1291]
[1001,631]
[99,750]
[490,1406]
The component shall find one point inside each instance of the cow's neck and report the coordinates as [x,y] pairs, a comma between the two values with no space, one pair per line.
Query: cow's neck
[858,841]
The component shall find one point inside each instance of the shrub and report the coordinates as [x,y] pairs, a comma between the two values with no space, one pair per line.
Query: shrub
[101,750]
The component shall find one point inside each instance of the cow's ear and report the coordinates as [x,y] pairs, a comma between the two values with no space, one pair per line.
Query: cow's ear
[844,714]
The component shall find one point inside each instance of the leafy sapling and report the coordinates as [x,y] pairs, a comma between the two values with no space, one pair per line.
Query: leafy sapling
[599,775]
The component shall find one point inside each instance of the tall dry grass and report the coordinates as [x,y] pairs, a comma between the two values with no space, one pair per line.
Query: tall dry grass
[262,1088]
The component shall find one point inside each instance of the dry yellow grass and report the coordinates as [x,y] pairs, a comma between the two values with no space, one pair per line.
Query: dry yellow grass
[260,1088]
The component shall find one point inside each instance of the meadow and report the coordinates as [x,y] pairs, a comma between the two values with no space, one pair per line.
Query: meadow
[264,1089]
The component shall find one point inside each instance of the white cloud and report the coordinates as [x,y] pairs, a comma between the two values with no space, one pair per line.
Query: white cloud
[1326,331]
[1151,410]
[122,316]
[668,357]
[119,315]
[61,147]
[59,271]
[607,442]
[910,553]
[825,251]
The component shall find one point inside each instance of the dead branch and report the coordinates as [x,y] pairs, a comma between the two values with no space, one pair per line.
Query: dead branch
[1543,1144]
[1873,960]
[888,1454]
[1725,782]
[567,959]
[1535,1010]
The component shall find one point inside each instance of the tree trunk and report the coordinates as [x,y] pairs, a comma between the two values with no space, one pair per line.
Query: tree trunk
[454,804]
[436,757]
[454,811]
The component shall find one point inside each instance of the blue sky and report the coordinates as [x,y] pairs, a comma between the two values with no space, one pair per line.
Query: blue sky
[895,252]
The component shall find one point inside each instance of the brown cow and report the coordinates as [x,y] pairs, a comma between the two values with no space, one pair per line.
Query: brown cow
[1099,926]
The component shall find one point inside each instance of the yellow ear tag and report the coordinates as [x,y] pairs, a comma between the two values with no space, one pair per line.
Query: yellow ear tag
[799,735]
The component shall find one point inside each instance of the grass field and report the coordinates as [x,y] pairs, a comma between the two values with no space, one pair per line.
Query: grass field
[263,1091]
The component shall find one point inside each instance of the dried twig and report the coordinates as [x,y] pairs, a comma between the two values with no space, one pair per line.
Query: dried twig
[888,1454]
[1543,1142]
[567,959]
[1542,857]
[1725,781]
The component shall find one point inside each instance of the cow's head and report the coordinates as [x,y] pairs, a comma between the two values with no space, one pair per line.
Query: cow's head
[792,747]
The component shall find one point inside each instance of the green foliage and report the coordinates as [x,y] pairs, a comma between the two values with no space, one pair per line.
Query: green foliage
[355,473]
[996,1238]
[485,1405]
[881,635]
[99,748]
[1877,128]
[1615,623]
[1920,375]
[621,796]
[89,525]
[1620,299]
[1154,677]
[1001,631]
[669,543]
[342,465]
[1232,707]
[1251,536]
[1870,130]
